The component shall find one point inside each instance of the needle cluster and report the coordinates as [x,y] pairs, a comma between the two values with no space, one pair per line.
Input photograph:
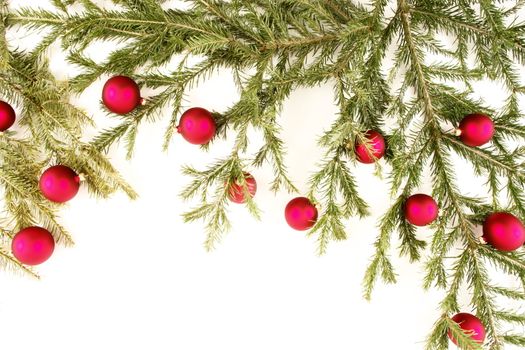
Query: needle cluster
[407,68]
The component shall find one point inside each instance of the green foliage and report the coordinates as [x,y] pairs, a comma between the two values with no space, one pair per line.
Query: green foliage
[50,131]
[273,47]
[217,179]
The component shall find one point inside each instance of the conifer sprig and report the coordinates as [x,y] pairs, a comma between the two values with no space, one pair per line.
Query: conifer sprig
[49,131]
[273,47]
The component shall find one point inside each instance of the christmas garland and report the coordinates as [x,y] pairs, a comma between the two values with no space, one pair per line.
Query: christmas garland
[406,105]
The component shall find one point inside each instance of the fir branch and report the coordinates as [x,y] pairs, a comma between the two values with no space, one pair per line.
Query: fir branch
[51,133]
[274,47]
[9,263]
[331,182]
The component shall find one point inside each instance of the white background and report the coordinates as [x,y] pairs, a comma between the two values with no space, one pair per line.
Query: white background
[139,278]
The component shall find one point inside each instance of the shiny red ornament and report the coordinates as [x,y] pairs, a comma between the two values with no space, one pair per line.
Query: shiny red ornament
[300,213]
[7,116]
[236,191]
[421,209]
[476,129]
[197,126]
[121,94]
[33,245]
[471,325]
[59,183]
[377,146]
[503,231]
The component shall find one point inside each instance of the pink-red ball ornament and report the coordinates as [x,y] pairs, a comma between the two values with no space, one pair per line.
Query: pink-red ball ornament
[33,245]
[59,183]
[376,147]
[300,213]
[471,325]
[476,129]
[421,209]
[503,231]
[236,191]
[7,116]
[197,126]
[121,94]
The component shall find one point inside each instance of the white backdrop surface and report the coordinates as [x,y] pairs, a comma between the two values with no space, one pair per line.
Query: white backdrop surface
[139,278]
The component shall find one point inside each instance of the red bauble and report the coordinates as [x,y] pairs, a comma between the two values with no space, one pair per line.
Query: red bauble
[236,192]
[300,213]
[476,129]
[121,94]
[471,325]
[420,209]
[7,116]
[377,147]
[197,126]
[33,245]
[504,231]
[59,183]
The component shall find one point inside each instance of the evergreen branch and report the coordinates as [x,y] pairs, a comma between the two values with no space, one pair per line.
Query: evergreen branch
[380,266]
[332,180]
[509,293]
[491,160]
[483,300]
[221,175]
[517,340]
[8,262]
[51,133]
[274,47]
[415,59]
[463,339]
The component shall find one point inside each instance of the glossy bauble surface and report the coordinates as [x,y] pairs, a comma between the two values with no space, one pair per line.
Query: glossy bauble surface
[421,209]
[300,213]
[59,183]
[197,126]
[7,116]
[476,129]
[504,231]
[121,94]
[33,245]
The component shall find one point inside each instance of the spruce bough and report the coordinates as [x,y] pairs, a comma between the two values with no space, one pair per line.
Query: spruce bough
[271,48]
[50,132]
